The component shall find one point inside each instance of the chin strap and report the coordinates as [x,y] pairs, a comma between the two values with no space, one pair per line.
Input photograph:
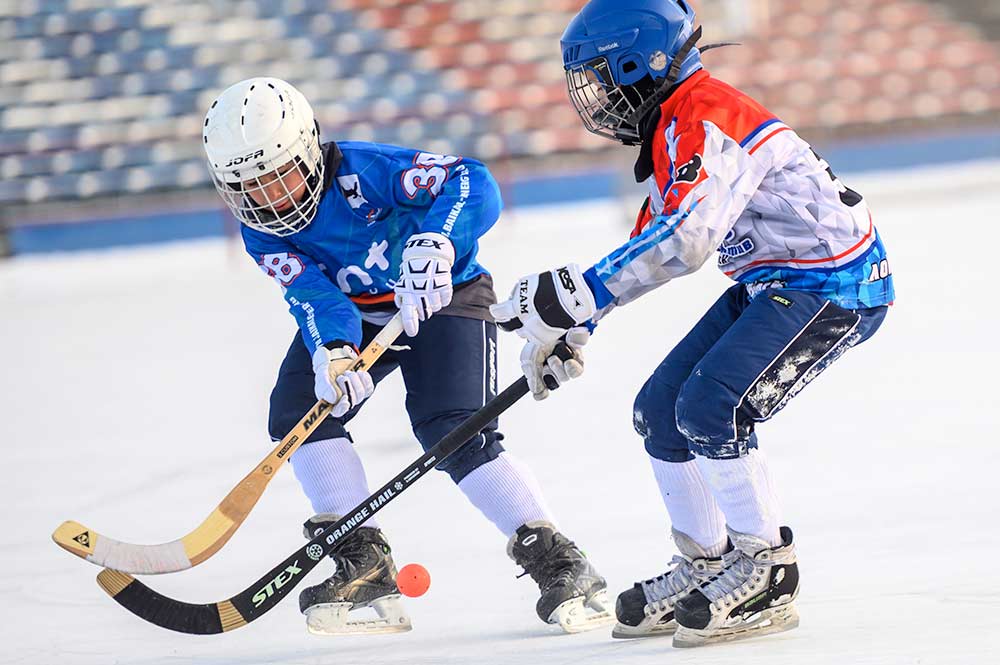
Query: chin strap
[665,88]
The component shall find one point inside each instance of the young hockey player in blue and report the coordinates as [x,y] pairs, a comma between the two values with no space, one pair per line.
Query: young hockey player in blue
[352,231]
[812,277]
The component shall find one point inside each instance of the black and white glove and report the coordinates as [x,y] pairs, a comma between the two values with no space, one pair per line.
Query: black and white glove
[336,382]
[543,307]
[548,366]
[545,310]
[424,285]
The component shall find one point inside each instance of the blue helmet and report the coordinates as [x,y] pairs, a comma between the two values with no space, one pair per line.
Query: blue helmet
[622,56]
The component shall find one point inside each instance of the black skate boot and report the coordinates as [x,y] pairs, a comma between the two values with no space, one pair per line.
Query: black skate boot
[751,596]
[365,576]
[574,595]
[647,609]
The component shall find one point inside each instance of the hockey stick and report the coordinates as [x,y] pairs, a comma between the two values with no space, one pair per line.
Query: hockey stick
[222,523]
[260,597]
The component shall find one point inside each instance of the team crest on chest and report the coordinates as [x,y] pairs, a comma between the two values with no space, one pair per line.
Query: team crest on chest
[350,185]
[689,172]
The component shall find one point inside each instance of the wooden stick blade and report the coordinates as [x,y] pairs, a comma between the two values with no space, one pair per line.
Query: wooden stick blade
[216,530]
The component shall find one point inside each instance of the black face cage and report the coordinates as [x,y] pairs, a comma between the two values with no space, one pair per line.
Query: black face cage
[606,109]
[616,111]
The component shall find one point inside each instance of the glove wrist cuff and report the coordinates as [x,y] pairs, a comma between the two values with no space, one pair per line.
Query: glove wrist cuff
[333,351]
[429,245]
[339,343]
[574,294]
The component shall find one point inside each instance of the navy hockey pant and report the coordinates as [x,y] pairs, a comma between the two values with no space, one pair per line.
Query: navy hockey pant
[740,365]
[449,371]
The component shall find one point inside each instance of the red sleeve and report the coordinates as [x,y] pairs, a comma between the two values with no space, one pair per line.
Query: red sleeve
[642,218]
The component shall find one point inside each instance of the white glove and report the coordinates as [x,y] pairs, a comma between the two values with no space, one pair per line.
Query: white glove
[424,285]
[547,367]
[337,383]
[543,307]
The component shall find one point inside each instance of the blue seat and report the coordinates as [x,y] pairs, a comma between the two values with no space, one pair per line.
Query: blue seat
[32,164]
[29,26]
[84,160]
[13,191]
[14,141]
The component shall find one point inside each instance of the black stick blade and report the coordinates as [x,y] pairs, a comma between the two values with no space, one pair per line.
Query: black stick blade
[166,612]
[270,589]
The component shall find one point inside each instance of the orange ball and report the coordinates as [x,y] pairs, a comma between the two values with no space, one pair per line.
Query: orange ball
[413,580]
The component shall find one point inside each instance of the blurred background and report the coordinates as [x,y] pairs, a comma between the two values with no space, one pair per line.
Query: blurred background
[101,101]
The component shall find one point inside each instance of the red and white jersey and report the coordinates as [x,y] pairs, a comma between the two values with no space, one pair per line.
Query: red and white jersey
[729,177]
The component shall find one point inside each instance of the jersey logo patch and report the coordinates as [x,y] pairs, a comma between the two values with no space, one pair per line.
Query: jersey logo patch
[350,185]
[689,172]
[781,300]
[376,256]
[733,249]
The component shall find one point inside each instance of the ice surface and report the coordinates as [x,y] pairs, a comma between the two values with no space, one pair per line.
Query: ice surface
[135,387]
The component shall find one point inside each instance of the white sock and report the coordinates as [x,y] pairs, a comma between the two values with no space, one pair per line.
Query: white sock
[745,493]
[332,476]
[506,492]
[689,501]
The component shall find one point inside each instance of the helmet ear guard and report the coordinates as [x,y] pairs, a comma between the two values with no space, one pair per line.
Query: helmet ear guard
[662,91]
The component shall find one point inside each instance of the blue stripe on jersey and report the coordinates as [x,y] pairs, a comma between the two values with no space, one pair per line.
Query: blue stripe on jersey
[752,135]
[662,228]
[864,282]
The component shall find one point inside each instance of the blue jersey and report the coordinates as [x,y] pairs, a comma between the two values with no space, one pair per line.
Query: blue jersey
[376,197]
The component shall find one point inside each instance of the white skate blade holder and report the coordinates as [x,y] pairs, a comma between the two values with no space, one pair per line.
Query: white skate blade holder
[578,615]
[650,626]
[336,618]
[765,622]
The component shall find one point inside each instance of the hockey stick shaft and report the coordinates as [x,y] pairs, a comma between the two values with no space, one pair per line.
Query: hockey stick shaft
[269,590]
[222,523]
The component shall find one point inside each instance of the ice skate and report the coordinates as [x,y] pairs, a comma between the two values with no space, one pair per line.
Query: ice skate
[751,596]
[365,577]
[573,593]
[647,609]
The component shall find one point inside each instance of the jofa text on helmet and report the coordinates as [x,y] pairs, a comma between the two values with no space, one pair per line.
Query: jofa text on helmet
[245,158]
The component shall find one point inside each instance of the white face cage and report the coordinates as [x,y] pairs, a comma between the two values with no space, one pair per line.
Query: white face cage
[601,104]
[278,196]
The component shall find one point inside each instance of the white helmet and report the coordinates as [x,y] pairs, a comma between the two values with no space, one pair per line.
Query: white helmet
[262,142]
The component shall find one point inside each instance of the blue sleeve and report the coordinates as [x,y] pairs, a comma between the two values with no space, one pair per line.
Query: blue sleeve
[324,313]
[461,196]
[602,297]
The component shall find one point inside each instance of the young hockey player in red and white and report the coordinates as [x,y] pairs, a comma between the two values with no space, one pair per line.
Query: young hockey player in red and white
[812,280]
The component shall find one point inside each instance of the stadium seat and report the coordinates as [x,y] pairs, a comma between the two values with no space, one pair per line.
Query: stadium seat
[100,98]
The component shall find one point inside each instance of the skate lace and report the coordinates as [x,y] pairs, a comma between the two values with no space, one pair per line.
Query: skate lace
[553,567]
[673,582]
[351,558]
[730,585]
